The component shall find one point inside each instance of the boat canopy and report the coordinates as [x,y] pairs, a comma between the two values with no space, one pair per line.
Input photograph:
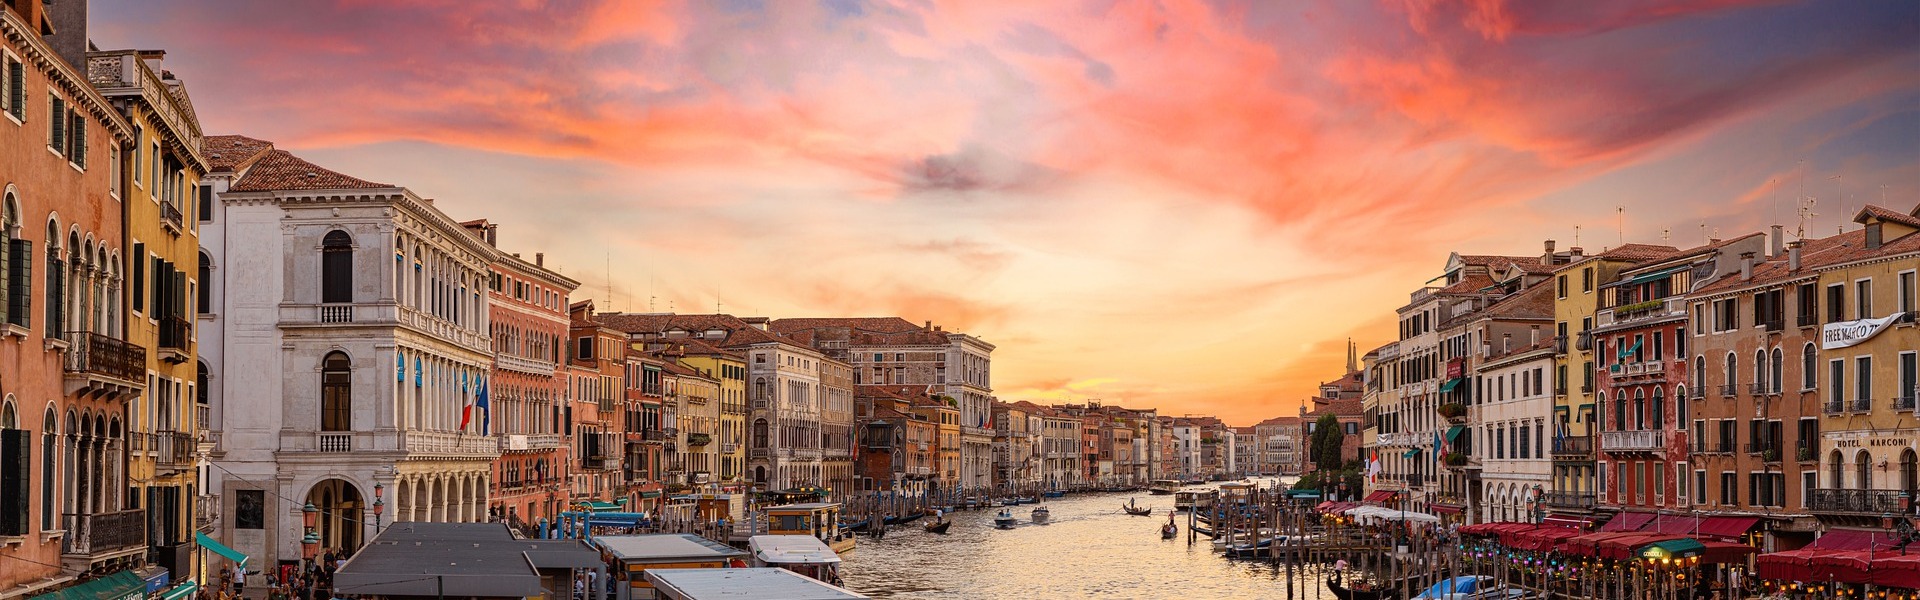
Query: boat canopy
[792,550]
[1465,584]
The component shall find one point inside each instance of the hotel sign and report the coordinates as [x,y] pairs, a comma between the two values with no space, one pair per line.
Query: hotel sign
[1851,333]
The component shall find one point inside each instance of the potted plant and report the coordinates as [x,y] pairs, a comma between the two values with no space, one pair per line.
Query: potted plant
[1452,410]
[1454,459]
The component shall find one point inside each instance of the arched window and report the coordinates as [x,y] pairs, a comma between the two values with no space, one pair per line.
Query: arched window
[1733,374]
[1700,373]
[205,292]
[1639,409]
[1835,471]
[56,278]
[1863,470]
[1659,408]
[49,437]
[1680,406]
[1778,370]
[1759,371]
[1909,471]
[336,393]
[1620,410]
[14,284]
[759,433]
[1808,373]
[336,267]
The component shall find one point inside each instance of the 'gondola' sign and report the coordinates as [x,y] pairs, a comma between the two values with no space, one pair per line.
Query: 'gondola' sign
[1850,333]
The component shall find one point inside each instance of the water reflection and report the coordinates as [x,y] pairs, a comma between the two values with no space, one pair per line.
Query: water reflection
[1089,550]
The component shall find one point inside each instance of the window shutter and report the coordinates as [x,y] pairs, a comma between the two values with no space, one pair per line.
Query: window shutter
[139,295]
[20,278]
[79,153]
[206,203]
[57,124]
[56,286]
[17,89]
[158,275]
[16,466]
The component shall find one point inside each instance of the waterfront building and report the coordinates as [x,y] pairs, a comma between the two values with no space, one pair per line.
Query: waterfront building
[1640,342]
[696,415]
[1576,300]
[1016,463]
[1869,438]
[165,283]
[729,371]
[1755,415]
[1059,444]
[648,422]
[943,413]
[70,374]
[1495,443]
[1246,454]
[898,448]
[527,316]
[1278,442]
[597,401]
[836,424]
[894,351]
[353,340]
[1379,404]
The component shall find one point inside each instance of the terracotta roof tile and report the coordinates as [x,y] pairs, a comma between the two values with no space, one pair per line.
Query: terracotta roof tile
[281,170]
[1889,216]
[662,322]
[1531,303]
[866,324]
[230,152]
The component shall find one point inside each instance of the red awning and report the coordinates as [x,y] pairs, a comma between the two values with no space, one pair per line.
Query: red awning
[1445,509]
[1627,521]
[1792,565]
[1510,535]
[1727,527]
[1854,539]
[1381,496]
[1725,552]
[1849,567]
[1565,521]
[1671,524]
[1624,547]
[1898,570]
[1544,539]
[1589,544]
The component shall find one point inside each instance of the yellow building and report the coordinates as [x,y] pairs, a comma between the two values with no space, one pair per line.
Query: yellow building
[945,415]
[1867,369]
[729,370]
[1576,301]
[163,267]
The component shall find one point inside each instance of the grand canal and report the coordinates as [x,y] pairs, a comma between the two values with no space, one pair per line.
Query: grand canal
[1089,550]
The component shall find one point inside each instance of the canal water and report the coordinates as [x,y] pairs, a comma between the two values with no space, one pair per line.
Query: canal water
[1090,549]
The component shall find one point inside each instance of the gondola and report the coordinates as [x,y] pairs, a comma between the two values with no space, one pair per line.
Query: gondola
[905,519]
[1056,494]
[1137,511]
[938,527]
[860,525]
[1340,591]
[1202,530]
[1169,530]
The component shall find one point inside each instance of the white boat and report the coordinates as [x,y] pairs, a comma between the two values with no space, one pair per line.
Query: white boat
[1005,519]
[1041,514]
[803,554]
[724,584]
[1164,487]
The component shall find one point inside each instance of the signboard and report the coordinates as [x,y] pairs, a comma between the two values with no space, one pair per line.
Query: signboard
[1852,333]
[1456,368]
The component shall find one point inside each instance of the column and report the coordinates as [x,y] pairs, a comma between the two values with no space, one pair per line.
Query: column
[429,484]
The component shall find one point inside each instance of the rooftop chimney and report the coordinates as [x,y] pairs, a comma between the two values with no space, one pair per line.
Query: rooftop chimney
[1793,256]
[1778,245]
[1746,266]
[540,259]
[1547,259]
[1576,252]
[929,325]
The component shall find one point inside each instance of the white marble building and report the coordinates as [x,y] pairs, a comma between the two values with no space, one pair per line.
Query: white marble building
[1516,458]
[348,333]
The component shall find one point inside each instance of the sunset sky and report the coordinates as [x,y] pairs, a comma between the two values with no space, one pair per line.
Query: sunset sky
[1182,205]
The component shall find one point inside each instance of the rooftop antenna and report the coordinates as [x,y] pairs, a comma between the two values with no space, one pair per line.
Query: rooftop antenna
[1707,237]
[1576,236]
[1620,221]
[1839,191]
[609,280]
[1666,234]
[1806,214]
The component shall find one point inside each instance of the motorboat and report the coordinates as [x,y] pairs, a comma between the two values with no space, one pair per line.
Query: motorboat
[1055,494]
[803,554]
[1005,519]
[1469,587]
[1256,549]
[1040,515]
[820,520]
[1164,487]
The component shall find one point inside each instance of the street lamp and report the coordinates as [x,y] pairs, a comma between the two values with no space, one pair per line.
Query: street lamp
[310,544]
[379,506]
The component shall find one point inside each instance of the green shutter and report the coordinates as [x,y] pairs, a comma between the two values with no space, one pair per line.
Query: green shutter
[17,89]
[57,124]
[139,294]
[79,141]
[16,466]
[56,288]
[20,289]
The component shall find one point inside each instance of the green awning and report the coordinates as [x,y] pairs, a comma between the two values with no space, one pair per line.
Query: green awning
[1453,433]
[650,494]
[1450,384]
[1654,275]
[186,588]
[1303,493]
[1680,548]
[119,586]
[219,548]
[598,506]
[1411,453]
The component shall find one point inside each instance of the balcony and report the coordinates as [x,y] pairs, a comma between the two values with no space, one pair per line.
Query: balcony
[173,451]
[531,366]
[100,366]
[1761,389]
[1631,441]
[100,535]
[1573,447]
[1713,447]
[206,513]
[699,439]
[759,453]
[653,435]
[1727,390]
[600,462]
[336,313]
[1768,451]
[333,442]
[1775,323]
[1903,402]
[452,444]
[609,403]
[170,216]
[1559,344]
[1862,405]
[1834,407]
[176,335]
[1868,502]
[1454,412]
[1804,453]
[1583,342]
[1574,500]
[1807,319]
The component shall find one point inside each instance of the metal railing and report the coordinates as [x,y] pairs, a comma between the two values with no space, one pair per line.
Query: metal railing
[653,435]
[170,214]
[101,533]
[1903,402]
[1727,390]
[1862,404]
[175,333]
[1835,407]
[1573,446]
[102,355]
[1856,501]
[1769,451]
[1807,319]
[1698,392]
[174,449]
[1570,499]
